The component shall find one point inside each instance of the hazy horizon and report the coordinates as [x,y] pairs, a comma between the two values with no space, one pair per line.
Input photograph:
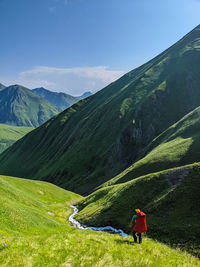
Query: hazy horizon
[74,46]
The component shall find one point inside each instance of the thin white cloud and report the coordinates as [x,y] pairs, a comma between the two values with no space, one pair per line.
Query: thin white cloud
[74,81]
[100,72]
[28,82]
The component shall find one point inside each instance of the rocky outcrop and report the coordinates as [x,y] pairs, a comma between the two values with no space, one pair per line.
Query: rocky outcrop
[176,176]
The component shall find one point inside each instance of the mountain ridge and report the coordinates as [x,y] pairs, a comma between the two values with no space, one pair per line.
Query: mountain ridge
[100,136]
[59,99]
[167,197]
[176,146]
[20,107]
[2,86]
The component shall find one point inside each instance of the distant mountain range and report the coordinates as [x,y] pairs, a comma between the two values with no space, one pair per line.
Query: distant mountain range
[60,100]
[21,106]
[84,95]
[100,136]
[134,144]
[2,86]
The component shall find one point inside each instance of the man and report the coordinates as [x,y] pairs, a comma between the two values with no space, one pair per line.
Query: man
[140,225]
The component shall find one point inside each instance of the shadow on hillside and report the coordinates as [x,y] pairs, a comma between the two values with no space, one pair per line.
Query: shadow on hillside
[125,241]
[193,154]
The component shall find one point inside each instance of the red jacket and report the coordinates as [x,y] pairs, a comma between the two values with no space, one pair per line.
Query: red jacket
[140,225]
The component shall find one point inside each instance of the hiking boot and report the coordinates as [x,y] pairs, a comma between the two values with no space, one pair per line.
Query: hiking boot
[140,238]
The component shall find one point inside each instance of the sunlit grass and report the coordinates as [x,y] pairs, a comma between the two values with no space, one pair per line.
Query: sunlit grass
[49,240]
[10,134]
[87,248]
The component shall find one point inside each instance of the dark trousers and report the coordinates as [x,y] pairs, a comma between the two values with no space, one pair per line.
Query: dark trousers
[135,237]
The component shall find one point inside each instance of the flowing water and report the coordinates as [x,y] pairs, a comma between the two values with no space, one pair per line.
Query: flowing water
[108,229]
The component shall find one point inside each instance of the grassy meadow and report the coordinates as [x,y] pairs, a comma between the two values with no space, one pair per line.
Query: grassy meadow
[10,134]
[34,231]
[169,198]
[102,135]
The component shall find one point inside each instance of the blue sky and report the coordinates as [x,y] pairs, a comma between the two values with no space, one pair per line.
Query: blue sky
[80,45]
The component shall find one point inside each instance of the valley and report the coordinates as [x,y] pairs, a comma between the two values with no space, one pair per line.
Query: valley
[35,232]
[133,144]
[10,134]
[101,136]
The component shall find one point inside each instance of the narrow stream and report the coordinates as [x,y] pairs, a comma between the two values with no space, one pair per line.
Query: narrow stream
[108,229]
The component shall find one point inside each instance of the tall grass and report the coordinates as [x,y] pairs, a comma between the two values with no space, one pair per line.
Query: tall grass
[31,235]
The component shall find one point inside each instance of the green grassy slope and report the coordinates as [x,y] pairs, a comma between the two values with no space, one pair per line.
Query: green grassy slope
[177,146]
[20,107]
[24,206]
[60,100]
[169,198]
[10,134]
[100,136]
[29,236]
[84,95]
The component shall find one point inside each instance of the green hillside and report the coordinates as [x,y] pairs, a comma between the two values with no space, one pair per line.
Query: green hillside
[25,205]
[20,107]
[177,146]
[97,138]
[84,95]
[169,198]
[10,134]
[34,232]
[60,100]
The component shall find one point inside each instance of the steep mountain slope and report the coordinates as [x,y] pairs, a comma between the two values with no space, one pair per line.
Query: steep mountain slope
[84,95]
[177,146]
[100,136]
[10,134]
[2,86]
[60,100]
[35,232]
[19,106]
[169,198]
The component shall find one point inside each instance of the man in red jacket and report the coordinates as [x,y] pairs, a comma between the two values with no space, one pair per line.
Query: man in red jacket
[140,225]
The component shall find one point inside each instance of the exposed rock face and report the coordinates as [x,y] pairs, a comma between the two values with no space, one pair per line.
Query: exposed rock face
[98,137]
[176,176]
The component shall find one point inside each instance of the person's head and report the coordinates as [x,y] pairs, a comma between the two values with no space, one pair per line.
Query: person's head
[137,210]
